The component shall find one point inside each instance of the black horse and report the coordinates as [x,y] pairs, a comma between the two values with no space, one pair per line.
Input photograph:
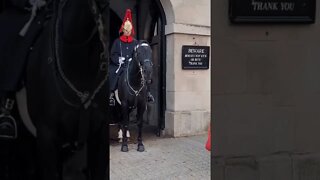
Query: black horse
[132,91]
[66,83]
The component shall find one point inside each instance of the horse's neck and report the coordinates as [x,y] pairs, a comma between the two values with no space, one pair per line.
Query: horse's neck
[79,59]
[134,75]
[77,21]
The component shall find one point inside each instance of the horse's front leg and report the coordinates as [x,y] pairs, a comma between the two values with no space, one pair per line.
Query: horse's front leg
[140,110]
[98,151]
[49,167]
[125,126]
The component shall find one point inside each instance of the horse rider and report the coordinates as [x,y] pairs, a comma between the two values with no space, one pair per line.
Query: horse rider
[121,51]
[21,22]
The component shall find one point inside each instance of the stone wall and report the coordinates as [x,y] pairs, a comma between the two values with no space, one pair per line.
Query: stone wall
[187,91]
[266,99]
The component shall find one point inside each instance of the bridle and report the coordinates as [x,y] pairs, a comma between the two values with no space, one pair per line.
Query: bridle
[143,80]
[84,96]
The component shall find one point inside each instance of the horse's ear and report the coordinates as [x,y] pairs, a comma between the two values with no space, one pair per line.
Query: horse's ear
[143,41]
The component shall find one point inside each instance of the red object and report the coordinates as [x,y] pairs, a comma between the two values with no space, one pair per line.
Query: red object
[129,17]
[208,144]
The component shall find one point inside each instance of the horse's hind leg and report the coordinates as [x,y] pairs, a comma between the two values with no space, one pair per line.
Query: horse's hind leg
[140,112]
[125,126]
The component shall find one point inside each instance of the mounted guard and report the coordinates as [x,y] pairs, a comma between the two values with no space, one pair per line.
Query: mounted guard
[121,52]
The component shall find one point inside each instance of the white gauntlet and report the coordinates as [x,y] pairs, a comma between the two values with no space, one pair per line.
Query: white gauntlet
[121,60]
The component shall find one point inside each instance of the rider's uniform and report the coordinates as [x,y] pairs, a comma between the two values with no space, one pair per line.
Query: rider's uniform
[120,48]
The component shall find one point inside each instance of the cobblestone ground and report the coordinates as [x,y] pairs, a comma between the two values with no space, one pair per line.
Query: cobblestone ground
[182,158]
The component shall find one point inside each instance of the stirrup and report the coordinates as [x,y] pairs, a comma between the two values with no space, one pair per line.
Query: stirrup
[8,127]
[112,101]
[9,104]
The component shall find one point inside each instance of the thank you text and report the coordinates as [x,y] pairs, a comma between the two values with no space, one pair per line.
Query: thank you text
[272,6]
[272,11]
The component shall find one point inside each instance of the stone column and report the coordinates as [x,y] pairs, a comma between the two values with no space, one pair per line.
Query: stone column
[187,91]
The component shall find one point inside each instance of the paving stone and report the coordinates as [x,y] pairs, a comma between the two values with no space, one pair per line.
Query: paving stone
[164,158]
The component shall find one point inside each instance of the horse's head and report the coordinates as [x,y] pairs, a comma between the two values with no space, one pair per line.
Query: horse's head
[143,54]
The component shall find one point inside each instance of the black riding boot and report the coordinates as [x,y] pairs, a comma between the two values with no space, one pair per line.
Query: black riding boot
[150,97]
[8,126]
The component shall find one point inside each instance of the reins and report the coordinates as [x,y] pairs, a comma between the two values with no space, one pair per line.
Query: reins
[84,96]
[143,81]
[136,92]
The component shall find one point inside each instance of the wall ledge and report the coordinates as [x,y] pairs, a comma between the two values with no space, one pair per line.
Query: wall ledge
[189,29]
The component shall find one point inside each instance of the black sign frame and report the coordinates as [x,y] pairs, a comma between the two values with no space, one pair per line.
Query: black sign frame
[195,57]
[272,11]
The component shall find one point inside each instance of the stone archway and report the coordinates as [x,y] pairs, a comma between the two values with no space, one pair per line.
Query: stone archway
[149,22]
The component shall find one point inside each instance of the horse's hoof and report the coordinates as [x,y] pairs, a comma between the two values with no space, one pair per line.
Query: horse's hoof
[140,148]
[124,148]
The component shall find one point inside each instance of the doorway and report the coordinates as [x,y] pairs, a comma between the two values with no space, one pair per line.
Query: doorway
[149,22]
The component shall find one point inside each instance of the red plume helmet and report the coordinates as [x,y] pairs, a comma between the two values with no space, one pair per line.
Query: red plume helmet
[127,17]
